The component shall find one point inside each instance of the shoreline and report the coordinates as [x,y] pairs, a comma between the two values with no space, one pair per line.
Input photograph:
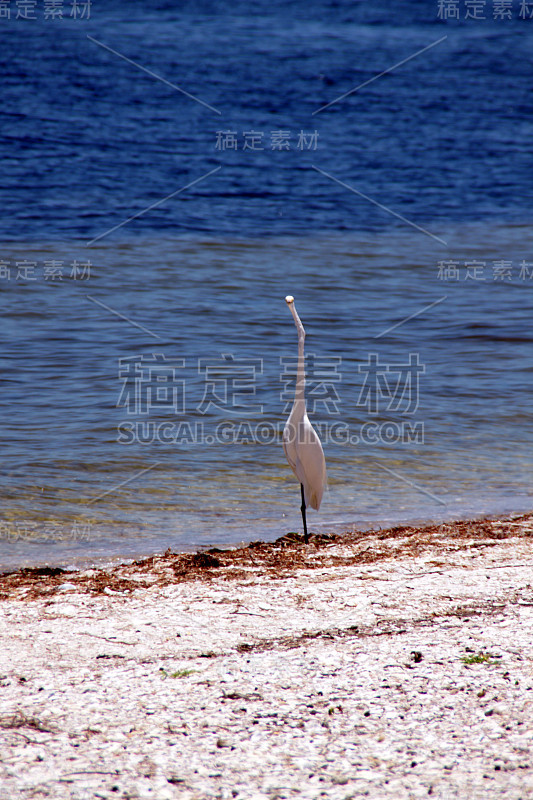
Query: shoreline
[390,664]
[282,557]
[20,552]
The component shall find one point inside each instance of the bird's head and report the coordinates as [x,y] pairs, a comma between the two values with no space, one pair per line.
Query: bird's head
[289,299]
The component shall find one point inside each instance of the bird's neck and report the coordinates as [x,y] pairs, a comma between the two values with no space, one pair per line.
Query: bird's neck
[299,394]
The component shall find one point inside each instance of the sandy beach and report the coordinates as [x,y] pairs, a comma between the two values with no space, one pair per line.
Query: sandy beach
[385,664]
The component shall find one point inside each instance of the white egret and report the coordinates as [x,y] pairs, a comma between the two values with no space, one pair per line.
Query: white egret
[300,440]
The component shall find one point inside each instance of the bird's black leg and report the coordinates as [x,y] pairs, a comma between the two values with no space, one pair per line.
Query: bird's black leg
[302,508]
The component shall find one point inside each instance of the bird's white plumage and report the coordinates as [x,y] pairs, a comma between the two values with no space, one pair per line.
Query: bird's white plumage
[300,441]
[306,458]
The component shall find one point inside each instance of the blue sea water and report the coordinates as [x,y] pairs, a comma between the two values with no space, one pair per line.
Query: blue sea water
[169,174]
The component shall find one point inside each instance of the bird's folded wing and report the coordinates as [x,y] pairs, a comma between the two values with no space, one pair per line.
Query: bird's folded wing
[306,459]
